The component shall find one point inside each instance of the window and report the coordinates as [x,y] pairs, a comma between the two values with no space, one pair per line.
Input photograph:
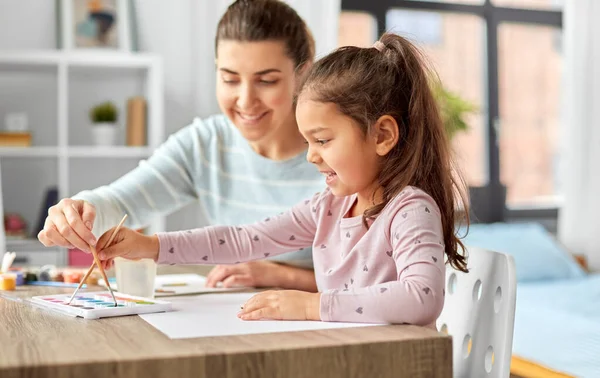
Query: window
[529,72]
[505,57]
[457,57]
[460,1]
[357,29]
[530,4]
[419,26]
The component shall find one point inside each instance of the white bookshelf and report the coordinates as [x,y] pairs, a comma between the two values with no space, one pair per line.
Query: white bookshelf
[28,152]
[115,151]
[66,85]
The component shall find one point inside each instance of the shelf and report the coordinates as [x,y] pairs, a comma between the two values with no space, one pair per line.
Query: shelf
[31,58]
[63,154]
[79,152]
[109,59]
[24,242]
[29,151]
[77,58]
[109,151]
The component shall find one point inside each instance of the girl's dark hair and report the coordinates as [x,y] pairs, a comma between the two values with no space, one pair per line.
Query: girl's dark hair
[268,20]
[393,79]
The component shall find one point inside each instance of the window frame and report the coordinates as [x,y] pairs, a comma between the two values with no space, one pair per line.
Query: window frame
[492,17]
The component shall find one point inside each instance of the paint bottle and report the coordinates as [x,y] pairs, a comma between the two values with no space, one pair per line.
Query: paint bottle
[72,276]
[20,274]
[20,278]
[8,281]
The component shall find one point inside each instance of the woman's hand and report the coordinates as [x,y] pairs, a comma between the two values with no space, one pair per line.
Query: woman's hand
[282,305]
[128,244]
[69,224]
[250,274]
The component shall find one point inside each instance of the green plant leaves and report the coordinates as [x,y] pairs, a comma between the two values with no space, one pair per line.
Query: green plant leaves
[453,109]
[105,112]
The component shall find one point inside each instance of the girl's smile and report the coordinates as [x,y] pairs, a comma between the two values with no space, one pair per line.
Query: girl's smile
[330,177]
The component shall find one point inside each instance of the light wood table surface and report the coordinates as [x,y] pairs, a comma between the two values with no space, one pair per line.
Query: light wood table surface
[38,343]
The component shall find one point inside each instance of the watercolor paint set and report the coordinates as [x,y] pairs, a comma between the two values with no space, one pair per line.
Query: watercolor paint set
[96,305]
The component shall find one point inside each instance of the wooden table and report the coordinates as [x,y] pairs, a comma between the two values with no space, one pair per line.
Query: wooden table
[39,343]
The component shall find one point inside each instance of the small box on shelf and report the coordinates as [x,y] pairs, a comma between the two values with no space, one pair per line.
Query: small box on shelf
[15,139]
[136,121]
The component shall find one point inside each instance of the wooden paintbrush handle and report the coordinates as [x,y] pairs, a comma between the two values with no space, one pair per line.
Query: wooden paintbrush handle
[97,261]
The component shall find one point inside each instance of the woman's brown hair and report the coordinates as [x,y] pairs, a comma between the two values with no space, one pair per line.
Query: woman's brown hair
[268,20]
[392,78]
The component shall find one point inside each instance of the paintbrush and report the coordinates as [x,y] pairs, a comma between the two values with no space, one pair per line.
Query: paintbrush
[97,262]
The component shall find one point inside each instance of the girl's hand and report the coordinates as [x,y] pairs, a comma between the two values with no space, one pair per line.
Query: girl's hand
[282,305]
[128,244]
[250,274]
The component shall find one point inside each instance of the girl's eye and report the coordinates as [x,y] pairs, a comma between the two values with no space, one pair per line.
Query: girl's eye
[318,141]
[268,82]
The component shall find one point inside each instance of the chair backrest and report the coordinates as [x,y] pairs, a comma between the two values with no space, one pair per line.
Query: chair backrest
[479,314]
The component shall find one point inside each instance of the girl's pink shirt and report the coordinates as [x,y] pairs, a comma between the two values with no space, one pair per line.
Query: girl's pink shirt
[391,273]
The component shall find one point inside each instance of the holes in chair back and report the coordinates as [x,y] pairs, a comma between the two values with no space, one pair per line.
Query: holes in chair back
[489,359]
[452,283]
[467,345]
[477,291]
[497,299]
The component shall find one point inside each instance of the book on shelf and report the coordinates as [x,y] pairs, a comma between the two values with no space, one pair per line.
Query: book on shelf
[136,121]
[15,139]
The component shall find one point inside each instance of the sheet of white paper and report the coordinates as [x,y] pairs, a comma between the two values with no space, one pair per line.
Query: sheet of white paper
[166,285]
[216,315]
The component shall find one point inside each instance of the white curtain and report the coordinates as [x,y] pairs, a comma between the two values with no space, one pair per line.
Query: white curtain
[578,226]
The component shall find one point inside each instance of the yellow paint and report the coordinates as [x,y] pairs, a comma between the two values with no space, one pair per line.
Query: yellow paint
[8,281]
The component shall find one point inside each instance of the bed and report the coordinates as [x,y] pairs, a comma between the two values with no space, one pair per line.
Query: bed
[557,320]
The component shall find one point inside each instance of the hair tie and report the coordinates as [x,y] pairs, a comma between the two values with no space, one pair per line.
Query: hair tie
[379,46]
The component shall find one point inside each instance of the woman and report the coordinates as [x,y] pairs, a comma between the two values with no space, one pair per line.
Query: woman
[241,165]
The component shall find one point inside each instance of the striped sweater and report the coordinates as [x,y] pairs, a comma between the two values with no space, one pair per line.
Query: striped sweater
[211,163]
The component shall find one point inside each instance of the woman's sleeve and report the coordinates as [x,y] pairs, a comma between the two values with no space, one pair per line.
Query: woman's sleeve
[159,185]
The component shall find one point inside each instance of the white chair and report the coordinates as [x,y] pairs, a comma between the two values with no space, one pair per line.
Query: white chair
[479,314]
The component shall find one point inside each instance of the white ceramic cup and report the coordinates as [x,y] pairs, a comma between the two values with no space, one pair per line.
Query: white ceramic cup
[135,277]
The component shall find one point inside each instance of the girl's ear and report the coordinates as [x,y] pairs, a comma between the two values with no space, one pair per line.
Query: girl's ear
[386,134]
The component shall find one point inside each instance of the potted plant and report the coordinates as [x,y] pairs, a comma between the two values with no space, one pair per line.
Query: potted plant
[453,109]
[104,120]
[483,199]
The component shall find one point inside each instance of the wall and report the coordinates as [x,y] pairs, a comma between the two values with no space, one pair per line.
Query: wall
[180,31]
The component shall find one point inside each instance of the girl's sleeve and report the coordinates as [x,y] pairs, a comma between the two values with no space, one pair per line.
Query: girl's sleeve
[417,294]
[275,235]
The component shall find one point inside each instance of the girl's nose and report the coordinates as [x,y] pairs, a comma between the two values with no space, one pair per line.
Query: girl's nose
[312,156]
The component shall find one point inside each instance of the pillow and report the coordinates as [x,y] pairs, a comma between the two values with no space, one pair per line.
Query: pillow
[538,256]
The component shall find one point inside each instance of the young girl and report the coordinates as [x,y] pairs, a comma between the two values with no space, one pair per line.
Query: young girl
[384,226]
